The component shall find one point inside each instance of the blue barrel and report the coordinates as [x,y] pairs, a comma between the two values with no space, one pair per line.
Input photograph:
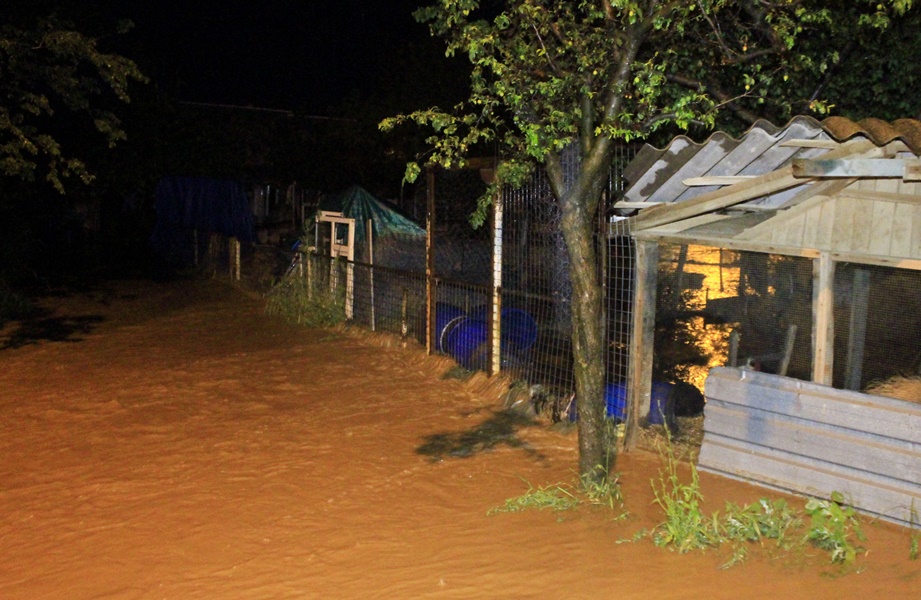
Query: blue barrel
[658,402]
[447,316]
[518,330]
[466,341]
[615,399]
[464,337]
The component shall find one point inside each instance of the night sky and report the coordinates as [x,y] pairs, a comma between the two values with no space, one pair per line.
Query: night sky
[284,54]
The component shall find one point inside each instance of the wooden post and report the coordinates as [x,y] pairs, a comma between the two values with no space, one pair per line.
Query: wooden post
[823,319]
[787,351]
[234,249]
[641,346]
[857,331]
[675,296]
[310,283]
[495,329]
[371,269]
[734,336]
[430,261]
[404,325]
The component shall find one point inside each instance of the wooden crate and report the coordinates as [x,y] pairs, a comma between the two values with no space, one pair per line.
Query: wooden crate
[810,439]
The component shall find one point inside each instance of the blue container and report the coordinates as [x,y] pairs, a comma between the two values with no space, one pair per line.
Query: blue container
[518,332]
[447,316]
[465,337]
[658,402]
[466,340]
[615,399]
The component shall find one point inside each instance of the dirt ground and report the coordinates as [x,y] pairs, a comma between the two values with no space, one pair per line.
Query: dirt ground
[170,441]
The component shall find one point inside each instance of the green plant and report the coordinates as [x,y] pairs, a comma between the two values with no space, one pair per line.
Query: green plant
[685,526]
[605,491]
[556,497]
[834,526]
[913,547]
[765,519]
[639,535]
[559,497]
[312,302]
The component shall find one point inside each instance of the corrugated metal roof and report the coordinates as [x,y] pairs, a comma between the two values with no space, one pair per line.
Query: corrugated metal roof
[658,175]
[881,132]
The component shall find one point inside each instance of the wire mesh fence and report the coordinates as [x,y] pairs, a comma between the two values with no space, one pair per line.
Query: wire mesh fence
[877,324]
[496,297]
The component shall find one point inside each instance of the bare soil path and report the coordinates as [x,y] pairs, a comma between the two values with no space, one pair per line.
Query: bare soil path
[171,441]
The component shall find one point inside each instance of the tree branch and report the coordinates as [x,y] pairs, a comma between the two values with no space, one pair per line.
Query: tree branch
[721,96]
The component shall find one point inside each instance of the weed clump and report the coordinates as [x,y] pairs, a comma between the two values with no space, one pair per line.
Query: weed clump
[833,525]
[309,301]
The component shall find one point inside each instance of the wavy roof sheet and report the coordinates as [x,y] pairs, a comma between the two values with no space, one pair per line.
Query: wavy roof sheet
[658,175]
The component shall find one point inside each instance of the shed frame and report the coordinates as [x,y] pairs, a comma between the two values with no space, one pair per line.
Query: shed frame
[842,192]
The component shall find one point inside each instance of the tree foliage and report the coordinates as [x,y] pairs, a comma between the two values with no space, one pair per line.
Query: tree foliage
[56,83]
[592,73]
[545,73]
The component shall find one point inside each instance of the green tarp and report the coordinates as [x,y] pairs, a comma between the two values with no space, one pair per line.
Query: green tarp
[357,203]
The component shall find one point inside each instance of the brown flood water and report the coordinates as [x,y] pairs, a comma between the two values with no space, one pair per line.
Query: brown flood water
[188,447]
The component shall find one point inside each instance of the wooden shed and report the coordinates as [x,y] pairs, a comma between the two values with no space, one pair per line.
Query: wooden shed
[845,198]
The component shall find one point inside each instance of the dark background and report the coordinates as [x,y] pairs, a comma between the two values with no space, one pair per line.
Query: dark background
[269,92]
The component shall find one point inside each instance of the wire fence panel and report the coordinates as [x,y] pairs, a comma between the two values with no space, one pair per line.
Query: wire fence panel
[535,280]
[499,296]
[877,324]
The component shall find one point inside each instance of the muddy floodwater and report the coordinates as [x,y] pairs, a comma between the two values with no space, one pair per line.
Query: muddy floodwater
[169,441]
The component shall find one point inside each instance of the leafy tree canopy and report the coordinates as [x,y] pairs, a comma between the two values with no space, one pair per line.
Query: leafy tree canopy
[56,83]
[546,73]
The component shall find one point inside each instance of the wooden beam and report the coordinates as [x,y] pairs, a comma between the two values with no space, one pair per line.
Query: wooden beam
[829,144]
[912,264]
[763,185]
[734,244]
[870,167]
[823,319]
[626,204]
[495,320]
[641,346]
[715,180]
[884,196]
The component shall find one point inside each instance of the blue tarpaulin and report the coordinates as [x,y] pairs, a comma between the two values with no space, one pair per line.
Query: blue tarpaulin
[184,204]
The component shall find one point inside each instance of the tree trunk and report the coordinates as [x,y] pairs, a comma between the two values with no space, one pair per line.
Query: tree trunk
[587,335]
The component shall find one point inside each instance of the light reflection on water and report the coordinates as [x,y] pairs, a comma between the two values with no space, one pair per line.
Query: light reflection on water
[708,279]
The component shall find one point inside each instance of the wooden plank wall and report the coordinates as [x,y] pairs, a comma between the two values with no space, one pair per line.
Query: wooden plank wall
[810,439]
[879,224]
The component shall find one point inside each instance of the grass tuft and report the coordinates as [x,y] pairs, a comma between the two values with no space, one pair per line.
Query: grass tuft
[556,497]
[301,301]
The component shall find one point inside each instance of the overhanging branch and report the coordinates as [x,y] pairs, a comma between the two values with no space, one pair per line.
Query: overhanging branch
[721,96]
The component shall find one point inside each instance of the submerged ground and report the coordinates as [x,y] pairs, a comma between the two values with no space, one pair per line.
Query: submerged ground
[171,441]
